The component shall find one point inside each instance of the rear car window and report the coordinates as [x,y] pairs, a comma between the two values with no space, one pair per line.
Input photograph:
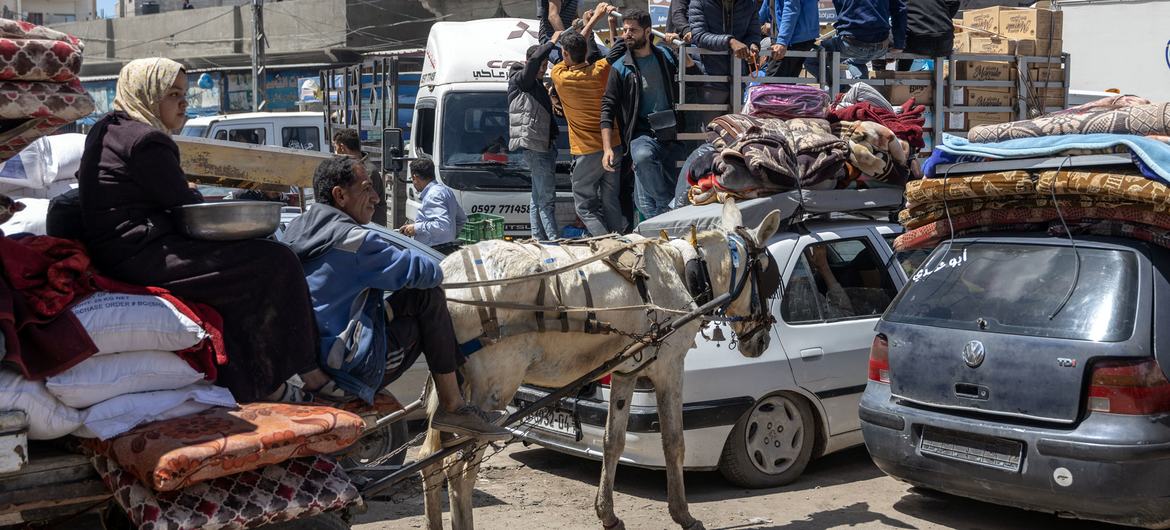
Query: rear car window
[909,260]
[838,280]
[1024,289]
[300,137]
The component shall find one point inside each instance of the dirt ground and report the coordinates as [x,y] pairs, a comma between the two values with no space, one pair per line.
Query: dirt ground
[531,488]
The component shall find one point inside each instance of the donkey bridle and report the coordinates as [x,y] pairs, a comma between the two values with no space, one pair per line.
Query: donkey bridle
[699,283]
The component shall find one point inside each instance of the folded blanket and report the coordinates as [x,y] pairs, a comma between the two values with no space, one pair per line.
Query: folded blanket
[1123,185]
[1153,152]
[14,29]
[875,152]
[786,102]
[39,60]
[62,101]
[933,233]
[985,185]
[906,125]
[1137,120]
[925,214]
[1106,103]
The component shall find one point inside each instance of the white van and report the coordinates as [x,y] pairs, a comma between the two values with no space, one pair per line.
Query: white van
[297,130]
[461,121]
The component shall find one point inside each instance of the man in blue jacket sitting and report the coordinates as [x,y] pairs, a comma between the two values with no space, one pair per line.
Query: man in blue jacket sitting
[367,340]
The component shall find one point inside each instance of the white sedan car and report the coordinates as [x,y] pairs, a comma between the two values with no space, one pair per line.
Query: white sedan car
[759,421]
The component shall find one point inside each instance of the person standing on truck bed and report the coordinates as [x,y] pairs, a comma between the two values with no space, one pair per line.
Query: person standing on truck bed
[130,181]
[440,217]
[555,16]
[864,31]
[580,82]
[794,25]
[724,25]
[532,130]
[366,339]
[640,97]
[930,29]
[347,142]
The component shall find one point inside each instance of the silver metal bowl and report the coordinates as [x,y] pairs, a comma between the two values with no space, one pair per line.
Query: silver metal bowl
[229,220]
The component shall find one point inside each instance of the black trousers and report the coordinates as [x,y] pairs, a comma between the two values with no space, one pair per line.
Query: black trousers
[790,66]
[422,325]
[933,46]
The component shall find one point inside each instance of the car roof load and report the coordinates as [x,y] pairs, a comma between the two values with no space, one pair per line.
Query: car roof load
[878,201]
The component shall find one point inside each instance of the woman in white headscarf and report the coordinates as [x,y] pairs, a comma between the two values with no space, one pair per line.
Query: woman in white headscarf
[130,180]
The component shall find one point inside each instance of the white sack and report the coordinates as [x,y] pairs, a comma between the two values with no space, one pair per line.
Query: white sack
[44,161]
[128,322]
[123,413]
[103,377]
[47,417]
[31,219]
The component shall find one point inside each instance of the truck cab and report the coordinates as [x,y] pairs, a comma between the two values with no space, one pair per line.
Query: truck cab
[461,121]
[296,130]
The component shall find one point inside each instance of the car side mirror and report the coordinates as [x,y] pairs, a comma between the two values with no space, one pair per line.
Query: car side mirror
[393,156]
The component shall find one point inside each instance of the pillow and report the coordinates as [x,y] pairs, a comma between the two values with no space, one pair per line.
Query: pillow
[129,322]
[48,418]
[116,416]
[174,454]
[100,378]
[294,489]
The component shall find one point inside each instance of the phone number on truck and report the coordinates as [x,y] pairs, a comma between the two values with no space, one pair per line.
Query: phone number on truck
[500,209]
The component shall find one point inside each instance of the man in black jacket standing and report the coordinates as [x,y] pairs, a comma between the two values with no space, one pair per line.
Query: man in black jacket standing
[639,99]
[929,29]
[532,128]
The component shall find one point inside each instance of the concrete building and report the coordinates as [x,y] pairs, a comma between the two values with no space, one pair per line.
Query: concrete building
[48,12]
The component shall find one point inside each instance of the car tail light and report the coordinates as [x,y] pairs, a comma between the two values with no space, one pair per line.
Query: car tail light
[605,379]
[1129,387]
[879,359]
[641,383]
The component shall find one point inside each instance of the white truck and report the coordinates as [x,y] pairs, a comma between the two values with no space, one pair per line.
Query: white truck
[460,119]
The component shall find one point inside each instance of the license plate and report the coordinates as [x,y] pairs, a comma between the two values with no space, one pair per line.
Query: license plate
[556,421]
[987,451]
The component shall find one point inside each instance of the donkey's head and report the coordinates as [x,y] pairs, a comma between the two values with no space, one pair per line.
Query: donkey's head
[738,262]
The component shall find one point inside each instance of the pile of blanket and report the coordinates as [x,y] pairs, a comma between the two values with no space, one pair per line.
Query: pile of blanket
[789,139]
[1128,198]
[39,87]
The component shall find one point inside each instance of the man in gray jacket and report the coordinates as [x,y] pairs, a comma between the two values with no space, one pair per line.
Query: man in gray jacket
[531,128]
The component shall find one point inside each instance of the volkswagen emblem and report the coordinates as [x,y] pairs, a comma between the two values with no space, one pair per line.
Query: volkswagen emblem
[973,354]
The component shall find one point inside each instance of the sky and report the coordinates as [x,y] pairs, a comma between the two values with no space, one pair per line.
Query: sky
[109,6]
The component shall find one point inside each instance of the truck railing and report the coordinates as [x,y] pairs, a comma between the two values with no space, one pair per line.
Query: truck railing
[942,83]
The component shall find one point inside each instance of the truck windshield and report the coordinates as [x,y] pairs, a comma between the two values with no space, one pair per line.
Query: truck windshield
[474,152]
[1024,289]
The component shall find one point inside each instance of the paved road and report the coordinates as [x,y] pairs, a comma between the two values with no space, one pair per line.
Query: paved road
[524,488]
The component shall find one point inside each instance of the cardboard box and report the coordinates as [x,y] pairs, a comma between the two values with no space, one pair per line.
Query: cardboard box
[985,71]
[977,97]
[986,19]
[1039,48]
[992,45]
[962,41]
[899,94]
[975,119]
[1044,74]
[1025,23]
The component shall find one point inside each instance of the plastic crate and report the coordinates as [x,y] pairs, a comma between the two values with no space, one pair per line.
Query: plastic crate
[480,227]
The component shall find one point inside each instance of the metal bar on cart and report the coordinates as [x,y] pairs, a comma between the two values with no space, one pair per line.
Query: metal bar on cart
[668,327]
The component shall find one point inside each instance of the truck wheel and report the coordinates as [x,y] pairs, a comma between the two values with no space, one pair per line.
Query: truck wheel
[771,444]
[387,439]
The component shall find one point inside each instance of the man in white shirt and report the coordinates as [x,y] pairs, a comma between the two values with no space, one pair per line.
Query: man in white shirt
[439,217]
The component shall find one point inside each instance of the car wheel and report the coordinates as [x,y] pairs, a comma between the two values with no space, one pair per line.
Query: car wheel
[771,444]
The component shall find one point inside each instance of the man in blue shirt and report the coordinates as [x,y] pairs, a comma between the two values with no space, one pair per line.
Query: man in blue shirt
[439,217]
[794,26]
[350,271]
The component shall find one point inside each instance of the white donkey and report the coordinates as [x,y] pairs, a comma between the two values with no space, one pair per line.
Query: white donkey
[552,358]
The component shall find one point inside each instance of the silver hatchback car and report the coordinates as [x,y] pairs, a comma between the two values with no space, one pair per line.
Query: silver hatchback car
[1030,372]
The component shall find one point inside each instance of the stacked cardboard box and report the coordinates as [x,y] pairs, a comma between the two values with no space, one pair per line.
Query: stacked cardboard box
[899,94]
[1035,32]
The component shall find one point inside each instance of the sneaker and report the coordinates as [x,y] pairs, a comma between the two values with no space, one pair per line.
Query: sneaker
[469,420]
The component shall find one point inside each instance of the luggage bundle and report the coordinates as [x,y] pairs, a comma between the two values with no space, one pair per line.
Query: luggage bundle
[1100,169]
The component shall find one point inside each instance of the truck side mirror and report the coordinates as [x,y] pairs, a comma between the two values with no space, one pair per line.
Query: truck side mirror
[392,149]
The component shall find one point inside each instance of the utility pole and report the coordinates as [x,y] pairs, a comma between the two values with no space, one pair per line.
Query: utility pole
[259,42]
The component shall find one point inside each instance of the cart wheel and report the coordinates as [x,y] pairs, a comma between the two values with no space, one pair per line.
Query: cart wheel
[325,521]
[386,439]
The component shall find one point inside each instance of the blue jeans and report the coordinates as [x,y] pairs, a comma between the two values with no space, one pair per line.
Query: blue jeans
[543,211]
[654,173]
[857,54]
[595,195]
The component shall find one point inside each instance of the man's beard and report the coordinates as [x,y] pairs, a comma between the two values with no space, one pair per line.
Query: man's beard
[639,44]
